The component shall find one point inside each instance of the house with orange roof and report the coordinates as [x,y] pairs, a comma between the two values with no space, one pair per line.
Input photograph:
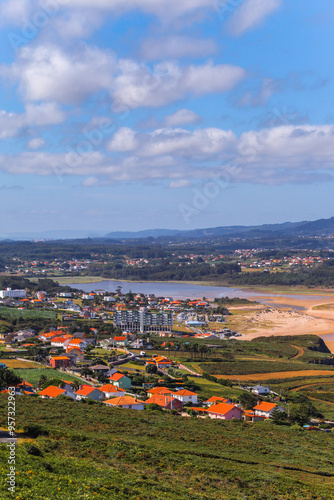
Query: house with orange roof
[159,391]
[111,391]
[75,354]
[161,362]
[121,341]
[224,411]
[82,344]
[127,402]
[249,416]
[186,396]
[166,402]
[121,381]
[214,400]
[52,392]
[62,341]
[265,409]
[59,361]
[90,392]
[48,336]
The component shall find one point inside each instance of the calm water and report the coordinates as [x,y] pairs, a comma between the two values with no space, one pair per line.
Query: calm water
[181,290]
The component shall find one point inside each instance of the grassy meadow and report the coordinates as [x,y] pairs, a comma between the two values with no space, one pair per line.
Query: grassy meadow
[90,451]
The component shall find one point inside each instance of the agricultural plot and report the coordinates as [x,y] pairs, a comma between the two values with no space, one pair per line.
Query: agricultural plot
[16,363]
[242,367]
[12,313]
[33,375]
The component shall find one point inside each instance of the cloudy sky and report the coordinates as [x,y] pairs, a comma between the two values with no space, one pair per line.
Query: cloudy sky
[136,114]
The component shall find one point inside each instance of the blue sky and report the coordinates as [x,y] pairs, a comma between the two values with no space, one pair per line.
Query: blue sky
[137,114]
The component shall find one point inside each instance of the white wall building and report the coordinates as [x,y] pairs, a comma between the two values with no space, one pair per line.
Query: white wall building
[14,294]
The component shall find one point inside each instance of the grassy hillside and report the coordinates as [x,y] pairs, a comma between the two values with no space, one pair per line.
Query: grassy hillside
[89,451]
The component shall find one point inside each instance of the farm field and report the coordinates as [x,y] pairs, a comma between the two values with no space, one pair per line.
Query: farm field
[131,366]
[33,375]
[16,363]
[277,375]
[245,367]
[9,312]
[90,451]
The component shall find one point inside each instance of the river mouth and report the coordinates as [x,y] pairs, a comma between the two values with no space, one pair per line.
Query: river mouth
[191,291]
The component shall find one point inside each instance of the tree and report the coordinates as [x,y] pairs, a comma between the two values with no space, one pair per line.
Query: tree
[247,400]
[42,380]
[8,379]
[151,369]
[279,417]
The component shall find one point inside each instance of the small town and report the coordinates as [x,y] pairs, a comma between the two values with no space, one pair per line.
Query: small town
[131,356]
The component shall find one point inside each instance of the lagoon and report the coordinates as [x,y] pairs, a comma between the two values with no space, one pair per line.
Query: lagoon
[181,290]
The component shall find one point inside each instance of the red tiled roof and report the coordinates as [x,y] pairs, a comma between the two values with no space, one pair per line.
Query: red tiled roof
[264,406]
[85,390]
[116,377]
[215,399]
[109,388]
[52,391]
[123,400]
[222,408]
[185,392]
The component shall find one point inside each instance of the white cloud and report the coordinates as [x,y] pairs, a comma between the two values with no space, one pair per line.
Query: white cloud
[165,9]
[279,155]
[49,73]
[250,14]
[176,47]
[182,183]
[262,95]
[90,13]
[199,144]
[135,86]
[181,117]
[46,113]
[36,143]
[123,140]
[13,124]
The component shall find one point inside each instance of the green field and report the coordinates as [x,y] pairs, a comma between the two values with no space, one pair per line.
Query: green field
[90,451]
[32,375]
[11,312]
[241,367]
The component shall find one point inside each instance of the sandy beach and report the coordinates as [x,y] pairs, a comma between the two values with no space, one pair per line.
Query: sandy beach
[280,317]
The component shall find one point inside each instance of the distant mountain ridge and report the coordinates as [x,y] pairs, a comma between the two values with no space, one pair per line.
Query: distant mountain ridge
[320,227]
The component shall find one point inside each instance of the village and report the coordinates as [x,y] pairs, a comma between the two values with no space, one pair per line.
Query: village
[135,318]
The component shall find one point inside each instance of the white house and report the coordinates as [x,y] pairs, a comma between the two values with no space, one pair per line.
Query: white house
[87,296]
[109,299]
[186,396]
[261,390]
[126,402]
[111,391]
[82,344]
[265,409]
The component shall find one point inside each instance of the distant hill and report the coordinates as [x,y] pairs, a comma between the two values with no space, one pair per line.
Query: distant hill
[155,233]
[321,227]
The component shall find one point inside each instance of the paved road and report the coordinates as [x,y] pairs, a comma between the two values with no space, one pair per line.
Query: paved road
[5,437]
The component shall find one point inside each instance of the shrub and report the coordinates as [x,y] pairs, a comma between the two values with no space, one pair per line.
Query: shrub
[32,449]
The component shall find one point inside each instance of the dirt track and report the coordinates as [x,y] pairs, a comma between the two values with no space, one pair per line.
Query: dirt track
[300,351]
